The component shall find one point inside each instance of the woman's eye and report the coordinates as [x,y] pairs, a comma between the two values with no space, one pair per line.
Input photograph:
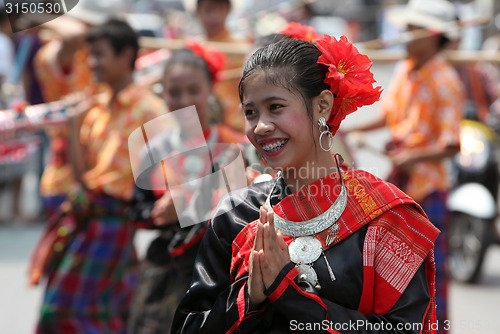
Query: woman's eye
[275,106]
[174,93]
[248,112]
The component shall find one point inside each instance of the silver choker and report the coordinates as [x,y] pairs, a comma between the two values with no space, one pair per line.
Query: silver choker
[314,225]
[305,249]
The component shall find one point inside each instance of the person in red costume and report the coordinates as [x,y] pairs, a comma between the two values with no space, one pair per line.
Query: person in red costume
[188,81]
[317,248]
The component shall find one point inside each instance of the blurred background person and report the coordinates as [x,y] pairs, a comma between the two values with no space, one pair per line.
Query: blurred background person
[92,275]
[9,177]
[62,68]
[18,152]
[213,15]
[166,272]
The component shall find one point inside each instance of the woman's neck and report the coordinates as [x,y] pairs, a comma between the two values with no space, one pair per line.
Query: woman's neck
[297,178]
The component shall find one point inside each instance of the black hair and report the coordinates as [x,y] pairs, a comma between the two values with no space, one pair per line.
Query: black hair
[119,34]
[188,58]
[268,39]
[292,64]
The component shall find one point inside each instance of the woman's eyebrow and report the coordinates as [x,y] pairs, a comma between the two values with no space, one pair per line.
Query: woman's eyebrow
[267,99]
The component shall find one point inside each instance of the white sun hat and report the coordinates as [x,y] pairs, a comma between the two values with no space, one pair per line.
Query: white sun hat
[434,15]
[97,12]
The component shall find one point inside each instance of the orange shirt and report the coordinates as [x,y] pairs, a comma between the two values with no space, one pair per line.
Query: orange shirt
[424,108]
[57,178]
[104,136]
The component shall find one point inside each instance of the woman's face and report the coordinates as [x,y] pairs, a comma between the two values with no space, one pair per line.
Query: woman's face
[184,86]
[278,125]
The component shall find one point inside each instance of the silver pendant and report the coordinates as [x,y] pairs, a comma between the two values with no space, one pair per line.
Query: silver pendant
[305,250]
[307,274]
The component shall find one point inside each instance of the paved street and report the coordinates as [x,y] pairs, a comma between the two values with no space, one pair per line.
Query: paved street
[18,303]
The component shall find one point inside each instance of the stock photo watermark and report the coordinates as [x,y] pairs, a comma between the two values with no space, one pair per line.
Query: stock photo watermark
[171,153]
[26,14]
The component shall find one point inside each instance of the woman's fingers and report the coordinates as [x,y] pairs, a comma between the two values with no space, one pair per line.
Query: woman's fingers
[255,281]
[282,242]
[274,255]
[270,239]
[259,237]
[270,219]
[263,215]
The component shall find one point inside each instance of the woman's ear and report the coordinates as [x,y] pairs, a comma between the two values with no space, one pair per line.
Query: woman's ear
[324,104]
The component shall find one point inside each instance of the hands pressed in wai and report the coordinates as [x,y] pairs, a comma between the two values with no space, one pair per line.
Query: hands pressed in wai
[268,257]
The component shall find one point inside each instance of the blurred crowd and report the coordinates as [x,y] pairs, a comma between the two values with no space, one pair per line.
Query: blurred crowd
[241,23]
[59,80]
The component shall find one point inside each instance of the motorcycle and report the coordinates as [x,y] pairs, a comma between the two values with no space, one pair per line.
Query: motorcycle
[472,201]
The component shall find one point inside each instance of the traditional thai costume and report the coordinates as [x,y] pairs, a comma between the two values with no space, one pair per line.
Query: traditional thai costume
[361,258]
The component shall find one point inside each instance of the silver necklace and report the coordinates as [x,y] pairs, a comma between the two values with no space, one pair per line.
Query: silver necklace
[305,249]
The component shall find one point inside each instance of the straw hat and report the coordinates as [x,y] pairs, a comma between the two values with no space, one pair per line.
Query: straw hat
[434,15]
[96,12]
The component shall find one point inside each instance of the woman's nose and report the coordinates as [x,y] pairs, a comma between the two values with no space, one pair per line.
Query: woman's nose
[264,126]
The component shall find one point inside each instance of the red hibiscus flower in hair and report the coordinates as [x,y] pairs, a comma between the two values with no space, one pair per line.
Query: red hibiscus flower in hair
[349,100]
[349,77]
[298,31]
[213,57]
[346,66]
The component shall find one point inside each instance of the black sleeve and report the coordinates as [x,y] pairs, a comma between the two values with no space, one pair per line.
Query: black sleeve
[213,304]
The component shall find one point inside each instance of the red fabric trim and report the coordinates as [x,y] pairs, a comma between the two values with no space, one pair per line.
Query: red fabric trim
[233,328]
[241,309]
[289,279]
[185,246]
[430,270]
[366,301]
[424,318]
[241,302]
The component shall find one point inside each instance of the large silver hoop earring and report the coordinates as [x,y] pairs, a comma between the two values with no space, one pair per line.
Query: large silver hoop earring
[325,130]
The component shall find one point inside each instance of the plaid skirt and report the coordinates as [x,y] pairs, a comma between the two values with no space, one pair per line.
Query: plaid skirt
[91,289]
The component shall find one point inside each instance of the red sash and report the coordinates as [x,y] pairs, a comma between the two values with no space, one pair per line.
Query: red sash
[392,252]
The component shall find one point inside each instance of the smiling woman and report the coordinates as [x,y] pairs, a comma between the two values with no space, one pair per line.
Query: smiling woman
[277,125]
[317,243]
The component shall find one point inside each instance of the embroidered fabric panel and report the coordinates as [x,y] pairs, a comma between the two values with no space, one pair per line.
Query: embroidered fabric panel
[394,261]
